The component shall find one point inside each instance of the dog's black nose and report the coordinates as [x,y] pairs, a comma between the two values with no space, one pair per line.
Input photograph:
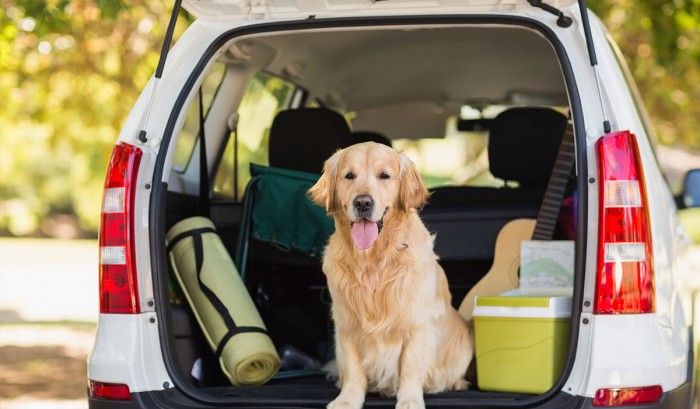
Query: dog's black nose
[363,203]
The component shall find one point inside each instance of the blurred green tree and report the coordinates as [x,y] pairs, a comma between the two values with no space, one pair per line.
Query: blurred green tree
[660,41]
[70,71]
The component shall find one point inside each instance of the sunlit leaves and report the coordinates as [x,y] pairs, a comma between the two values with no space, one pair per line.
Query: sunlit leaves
[69,72]
[661,42]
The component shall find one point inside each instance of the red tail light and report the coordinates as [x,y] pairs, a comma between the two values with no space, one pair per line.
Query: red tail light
[625,278]
[111,391]
[118,284]
[628,396]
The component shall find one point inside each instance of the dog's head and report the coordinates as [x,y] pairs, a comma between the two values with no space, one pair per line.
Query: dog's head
[366,183]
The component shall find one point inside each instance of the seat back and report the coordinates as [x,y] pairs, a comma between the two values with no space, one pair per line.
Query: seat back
[302,139]
[523,145]
[370,136]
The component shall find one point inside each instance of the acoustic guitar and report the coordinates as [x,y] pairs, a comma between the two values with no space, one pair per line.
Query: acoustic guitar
[503,274]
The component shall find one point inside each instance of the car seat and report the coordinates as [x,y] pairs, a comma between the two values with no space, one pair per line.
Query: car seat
[302,139]
[523,147]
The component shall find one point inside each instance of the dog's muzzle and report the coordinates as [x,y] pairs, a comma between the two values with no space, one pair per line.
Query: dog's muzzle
[364,230]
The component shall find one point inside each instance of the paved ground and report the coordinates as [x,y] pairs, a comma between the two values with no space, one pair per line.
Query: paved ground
[52,281]
[48,280]
[44,366]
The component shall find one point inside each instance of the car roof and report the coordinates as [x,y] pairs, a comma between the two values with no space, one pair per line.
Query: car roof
[285,9]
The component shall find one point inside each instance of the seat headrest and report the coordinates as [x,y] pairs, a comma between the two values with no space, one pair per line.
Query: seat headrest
[302,139]
[523,144]
[370,136]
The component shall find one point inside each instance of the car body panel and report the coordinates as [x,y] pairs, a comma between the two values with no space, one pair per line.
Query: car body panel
[611,350]
[127,351]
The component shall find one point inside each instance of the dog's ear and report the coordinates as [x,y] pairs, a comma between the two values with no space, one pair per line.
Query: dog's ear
[323,192]
[412,190]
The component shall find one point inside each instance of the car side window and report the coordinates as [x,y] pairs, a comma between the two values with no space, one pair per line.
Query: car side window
[190,129]
[265,97]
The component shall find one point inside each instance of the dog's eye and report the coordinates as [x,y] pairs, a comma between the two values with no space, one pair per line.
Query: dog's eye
[350,176]
[384,176]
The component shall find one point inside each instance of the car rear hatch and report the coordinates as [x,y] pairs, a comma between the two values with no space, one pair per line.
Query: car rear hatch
[318,392]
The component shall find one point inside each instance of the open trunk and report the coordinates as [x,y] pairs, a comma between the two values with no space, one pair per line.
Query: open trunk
[480,104]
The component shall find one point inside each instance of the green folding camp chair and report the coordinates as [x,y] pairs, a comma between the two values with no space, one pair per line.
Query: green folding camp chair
[277,210]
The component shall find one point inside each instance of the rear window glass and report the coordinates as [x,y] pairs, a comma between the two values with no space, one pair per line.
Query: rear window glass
[265,97]
[190,130]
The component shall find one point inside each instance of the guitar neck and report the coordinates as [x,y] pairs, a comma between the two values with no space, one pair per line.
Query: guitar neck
[556,187]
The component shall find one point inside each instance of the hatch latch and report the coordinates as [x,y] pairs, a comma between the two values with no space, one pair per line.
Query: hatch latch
[258,10]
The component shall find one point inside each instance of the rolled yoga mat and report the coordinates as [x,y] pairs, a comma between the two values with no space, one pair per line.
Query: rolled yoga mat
[220,302]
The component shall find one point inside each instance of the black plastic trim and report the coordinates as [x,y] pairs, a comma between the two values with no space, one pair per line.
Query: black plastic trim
[157,207]
[691,379]
[172,398]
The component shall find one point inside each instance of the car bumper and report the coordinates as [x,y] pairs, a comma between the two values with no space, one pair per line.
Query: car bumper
[679,398]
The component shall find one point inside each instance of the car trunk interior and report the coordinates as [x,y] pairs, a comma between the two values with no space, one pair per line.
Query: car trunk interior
[429,88]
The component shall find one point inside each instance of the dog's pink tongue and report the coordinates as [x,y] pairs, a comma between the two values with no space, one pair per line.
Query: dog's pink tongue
[364,233]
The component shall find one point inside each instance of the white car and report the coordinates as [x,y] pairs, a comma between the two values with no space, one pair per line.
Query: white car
[204,303]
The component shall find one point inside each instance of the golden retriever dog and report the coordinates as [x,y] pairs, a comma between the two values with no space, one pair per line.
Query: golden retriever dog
[396,332]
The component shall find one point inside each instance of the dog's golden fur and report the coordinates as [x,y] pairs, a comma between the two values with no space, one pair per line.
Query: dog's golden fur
[396,331]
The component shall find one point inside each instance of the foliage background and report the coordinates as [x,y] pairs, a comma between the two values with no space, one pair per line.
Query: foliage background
[71,69]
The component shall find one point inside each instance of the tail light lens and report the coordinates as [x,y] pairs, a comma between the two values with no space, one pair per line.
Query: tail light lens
[111,391]
[628,396]
[625,278]
[118,283]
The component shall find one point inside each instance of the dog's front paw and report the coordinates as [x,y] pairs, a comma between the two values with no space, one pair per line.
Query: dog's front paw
[410,404]
[339,403]
[461,384]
